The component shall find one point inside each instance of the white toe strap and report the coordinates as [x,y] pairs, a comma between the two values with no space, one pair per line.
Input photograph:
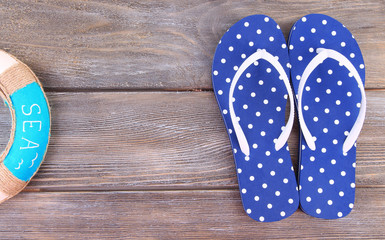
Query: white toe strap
[343,61]
[261,54]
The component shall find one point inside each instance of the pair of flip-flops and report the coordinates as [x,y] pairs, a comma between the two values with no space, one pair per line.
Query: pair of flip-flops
[251,79]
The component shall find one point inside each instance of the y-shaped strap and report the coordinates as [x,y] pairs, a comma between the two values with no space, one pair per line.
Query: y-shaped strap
[260,54]
[317,60]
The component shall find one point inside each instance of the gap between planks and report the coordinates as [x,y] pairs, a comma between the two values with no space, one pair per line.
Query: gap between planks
[154,189]
[141,90]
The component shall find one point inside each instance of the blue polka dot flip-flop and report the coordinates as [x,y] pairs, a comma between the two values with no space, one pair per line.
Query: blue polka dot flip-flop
[328,79]
[250,80]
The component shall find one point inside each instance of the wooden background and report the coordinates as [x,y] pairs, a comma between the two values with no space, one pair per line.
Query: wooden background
[138,147]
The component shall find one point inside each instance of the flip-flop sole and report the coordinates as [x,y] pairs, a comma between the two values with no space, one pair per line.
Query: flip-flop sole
[330,105]
[266,179]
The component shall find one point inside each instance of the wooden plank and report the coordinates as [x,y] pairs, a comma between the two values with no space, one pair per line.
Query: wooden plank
[175,215]
[161,141]
[158,44]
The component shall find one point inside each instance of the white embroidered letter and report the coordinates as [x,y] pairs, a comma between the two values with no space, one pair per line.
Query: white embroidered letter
[31,124]
[30,109]
[34,145]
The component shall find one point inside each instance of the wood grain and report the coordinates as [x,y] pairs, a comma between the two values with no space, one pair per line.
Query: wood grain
[128,141]
[130,156]
[175,215]
[152,44]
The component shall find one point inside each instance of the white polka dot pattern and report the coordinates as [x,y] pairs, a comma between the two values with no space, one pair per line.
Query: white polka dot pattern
[266,181]
[330,108]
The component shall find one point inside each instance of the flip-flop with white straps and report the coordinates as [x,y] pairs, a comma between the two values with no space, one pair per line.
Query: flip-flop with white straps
[328,78]
[250,80]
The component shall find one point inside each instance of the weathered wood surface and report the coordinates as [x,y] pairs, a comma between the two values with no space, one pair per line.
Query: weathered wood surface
[129,156]
[158,44]
[129,141]
[175,215]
